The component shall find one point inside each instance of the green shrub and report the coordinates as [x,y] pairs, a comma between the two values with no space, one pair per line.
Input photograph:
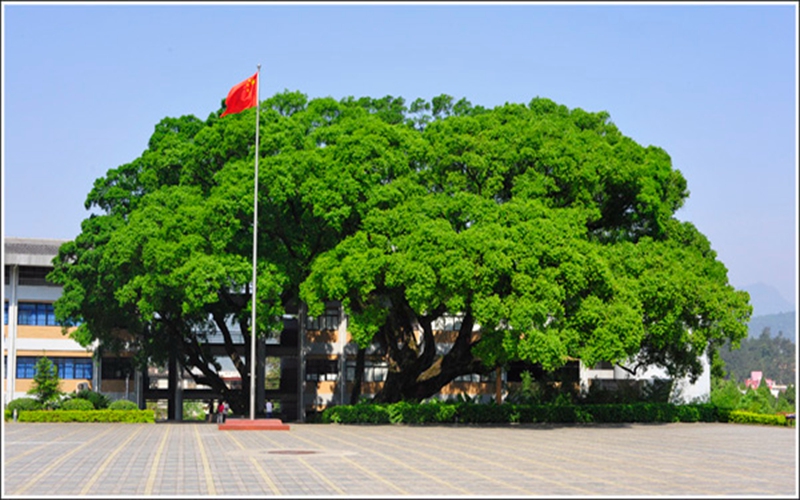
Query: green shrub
[122,416]
[569,414]
[611,413]
[653,412]
[746,417]
[443,413]
[477,414]
[77,404]
[527,392]
[725,394]
[331,415]
[99,401]
[425,413]
[664,412]
[529,414]
[688,414]
[758,401]
[361,413]
[474,413]
[708,412]
[372,414]
[20,404]
[399,412]
[24,404]
[123,404]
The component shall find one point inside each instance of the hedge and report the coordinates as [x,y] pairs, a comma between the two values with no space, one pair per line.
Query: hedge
[77,404]
[430,413]
[125,416]
[470,413]
[746,417]
[360,413]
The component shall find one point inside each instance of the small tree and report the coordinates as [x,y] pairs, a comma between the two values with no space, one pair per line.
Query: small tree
[726,394]
[46,384]
[790,395]
[759,400]
[786,400]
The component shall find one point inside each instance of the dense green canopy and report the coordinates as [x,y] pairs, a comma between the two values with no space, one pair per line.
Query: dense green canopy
[545,229]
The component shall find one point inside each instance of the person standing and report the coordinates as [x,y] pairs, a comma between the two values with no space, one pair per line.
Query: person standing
[269,409]
[221,410]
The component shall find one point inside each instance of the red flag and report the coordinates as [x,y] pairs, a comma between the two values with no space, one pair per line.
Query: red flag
[241,96]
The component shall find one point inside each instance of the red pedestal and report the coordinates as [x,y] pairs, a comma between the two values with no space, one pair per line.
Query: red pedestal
[264,424]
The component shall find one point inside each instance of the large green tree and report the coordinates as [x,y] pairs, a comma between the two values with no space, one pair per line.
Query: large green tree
[168,258]
[549,232]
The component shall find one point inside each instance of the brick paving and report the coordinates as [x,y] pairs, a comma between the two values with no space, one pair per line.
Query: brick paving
[199,460]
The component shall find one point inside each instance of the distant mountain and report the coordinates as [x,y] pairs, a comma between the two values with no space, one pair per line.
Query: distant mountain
[783,322]
[766,300]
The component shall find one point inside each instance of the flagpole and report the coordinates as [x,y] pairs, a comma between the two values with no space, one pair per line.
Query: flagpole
[253,333]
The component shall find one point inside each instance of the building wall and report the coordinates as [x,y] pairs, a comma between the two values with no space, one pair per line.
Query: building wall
[683,389]
[23,343]
[333,351]
[38,341]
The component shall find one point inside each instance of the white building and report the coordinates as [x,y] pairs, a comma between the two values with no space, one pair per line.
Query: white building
[683,389]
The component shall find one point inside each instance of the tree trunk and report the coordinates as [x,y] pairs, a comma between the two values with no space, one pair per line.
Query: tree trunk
[173,379]
[355,394]
[416,372]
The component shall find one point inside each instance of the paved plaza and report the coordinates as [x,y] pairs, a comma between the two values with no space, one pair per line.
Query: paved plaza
[198,460]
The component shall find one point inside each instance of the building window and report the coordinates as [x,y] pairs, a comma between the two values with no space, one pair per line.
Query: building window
[476,377]
[84,369]
[116,368]
[35,276]
[448,323]
[328,321]
[26,367]
[322,369]
[5,312]
[374,371]
[36,314]
[68,368]
[6,274]
[72,368]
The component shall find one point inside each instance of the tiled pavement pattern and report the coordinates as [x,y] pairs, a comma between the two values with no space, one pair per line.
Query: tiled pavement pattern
[198,460]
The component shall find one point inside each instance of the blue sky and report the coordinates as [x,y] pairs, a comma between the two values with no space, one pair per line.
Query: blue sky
[715,85]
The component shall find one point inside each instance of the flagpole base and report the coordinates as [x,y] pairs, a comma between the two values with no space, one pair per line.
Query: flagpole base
[264,424]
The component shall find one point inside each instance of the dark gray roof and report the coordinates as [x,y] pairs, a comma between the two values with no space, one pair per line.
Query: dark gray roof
[30,251]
